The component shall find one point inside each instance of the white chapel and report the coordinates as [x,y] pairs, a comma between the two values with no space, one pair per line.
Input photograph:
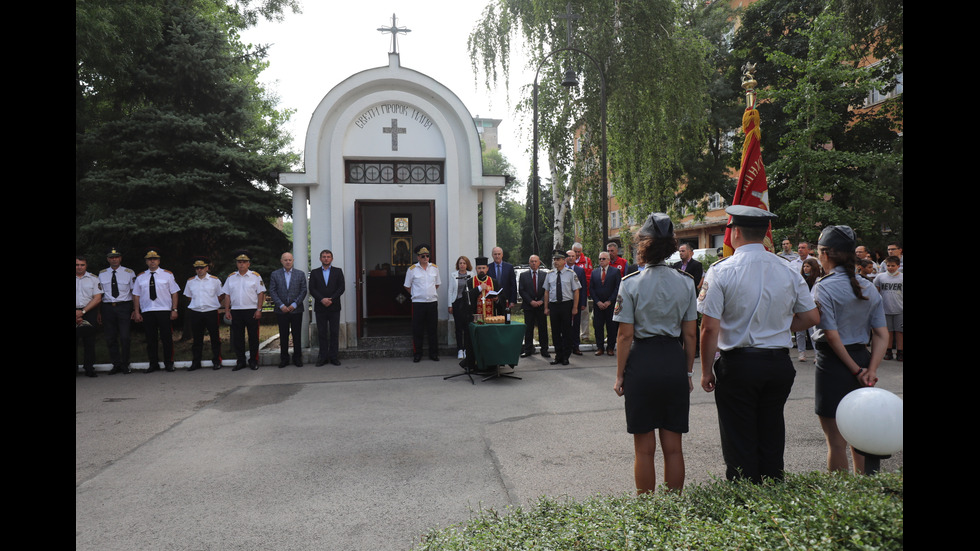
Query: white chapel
[393,160]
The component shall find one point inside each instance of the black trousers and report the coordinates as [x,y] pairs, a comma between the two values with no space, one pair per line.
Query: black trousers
[534,317]
[425,320]
[291,322]
[462,316]
[605,328]
[201,322]
[327,334]
[87,336]
[157,325]
[116,319]
[562,332]
[751,388]
[243,321]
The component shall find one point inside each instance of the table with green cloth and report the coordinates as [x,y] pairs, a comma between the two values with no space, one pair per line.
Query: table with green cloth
[496,343]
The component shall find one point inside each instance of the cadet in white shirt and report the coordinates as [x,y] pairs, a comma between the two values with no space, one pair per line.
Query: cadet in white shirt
[750,302]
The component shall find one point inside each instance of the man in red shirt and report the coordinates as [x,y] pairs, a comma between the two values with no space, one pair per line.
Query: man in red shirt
[585,263]
[614,259]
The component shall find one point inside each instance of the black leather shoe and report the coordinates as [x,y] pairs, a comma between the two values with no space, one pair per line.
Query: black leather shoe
[545,355]
[216,364]
[564,362]
[298,362]
[321,363]
[169,368]
[238,366]
[577,352]
[334,362]
[434,358]
[253,365]
[115,369]
[125,370]
[153,368]
[417,358]
[555,361]
[526,354]
[90,373]
[194,367]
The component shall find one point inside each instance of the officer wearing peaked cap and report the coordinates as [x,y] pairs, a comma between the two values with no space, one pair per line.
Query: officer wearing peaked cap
[117,309]
[751,302]
[422,281]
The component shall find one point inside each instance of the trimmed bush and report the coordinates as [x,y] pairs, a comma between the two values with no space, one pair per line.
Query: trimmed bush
[805,511]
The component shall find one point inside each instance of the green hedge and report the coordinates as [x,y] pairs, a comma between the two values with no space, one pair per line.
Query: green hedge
[805,511]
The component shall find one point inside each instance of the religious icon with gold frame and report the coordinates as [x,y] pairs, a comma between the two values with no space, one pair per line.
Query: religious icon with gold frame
[401,251]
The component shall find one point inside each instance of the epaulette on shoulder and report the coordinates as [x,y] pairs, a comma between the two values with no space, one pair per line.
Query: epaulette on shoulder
[823,277]
[141,273]
[256,273]
[192,277]
[212,276]
[685,273]
[434,264]
[416,265]
[233,273]
[720,260]
[168,271]
[104,270]
[631,274]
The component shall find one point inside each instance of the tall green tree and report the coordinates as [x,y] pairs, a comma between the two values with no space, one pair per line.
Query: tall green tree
[176,142]
[655,71]
[830,159]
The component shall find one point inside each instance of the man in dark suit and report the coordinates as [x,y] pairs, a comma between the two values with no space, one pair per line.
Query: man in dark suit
[506,277]
[326,287]
[287,287]
[689,265]
[531,289]
[583,299]
[604,290]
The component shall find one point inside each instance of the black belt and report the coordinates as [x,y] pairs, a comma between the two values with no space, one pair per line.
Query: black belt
[752,351]
[825,347]
[118,303]
[655,338]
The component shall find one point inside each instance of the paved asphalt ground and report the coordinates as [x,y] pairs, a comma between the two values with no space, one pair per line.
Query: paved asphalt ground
[368,455]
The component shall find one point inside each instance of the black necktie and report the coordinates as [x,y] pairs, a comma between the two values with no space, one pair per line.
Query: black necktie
[558,280]
[115,286]
[153,287]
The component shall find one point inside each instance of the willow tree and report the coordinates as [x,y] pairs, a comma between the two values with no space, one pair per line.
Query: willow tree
[656,77]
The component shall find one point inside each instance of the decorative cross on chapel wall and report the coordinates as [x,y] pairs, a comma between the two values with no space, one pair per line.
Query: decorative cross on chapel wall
[394,30]
[394,130]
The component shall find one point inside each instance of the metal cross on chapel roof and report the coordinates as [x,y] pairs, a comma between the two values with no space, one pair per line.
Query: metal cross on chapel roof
[394,30]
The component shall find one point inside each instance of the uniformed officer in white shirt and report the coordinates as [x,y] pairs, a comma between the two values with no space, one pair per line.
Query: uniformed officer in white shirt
[155,295]
[204,290]
[88,294]
[244,296]
[561,301]
[117,310]
[422,281]
[751,303]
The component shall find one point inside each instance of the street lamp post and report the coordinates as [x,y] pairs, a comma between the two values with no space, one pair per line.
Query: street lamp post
[570,80]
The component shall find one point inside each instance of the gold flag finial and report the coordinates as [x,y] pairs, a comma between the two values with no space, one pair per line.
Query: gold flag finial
[749,83]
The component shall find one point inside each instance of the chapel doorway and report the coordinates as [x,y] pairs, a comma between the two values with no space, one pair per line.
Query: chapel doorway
[387,232]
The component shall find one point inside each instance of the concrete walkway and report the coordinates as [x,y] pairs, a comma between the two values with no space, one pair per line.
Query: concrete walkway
[368,455]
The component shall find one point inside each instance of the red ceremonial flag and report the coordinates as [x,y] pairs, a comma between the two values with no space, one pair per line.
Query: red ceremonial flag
[752,188]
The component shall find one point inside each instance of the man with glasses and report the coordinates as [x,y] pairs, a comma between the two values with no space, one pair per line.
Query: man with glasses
[422,281]
[894,249]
